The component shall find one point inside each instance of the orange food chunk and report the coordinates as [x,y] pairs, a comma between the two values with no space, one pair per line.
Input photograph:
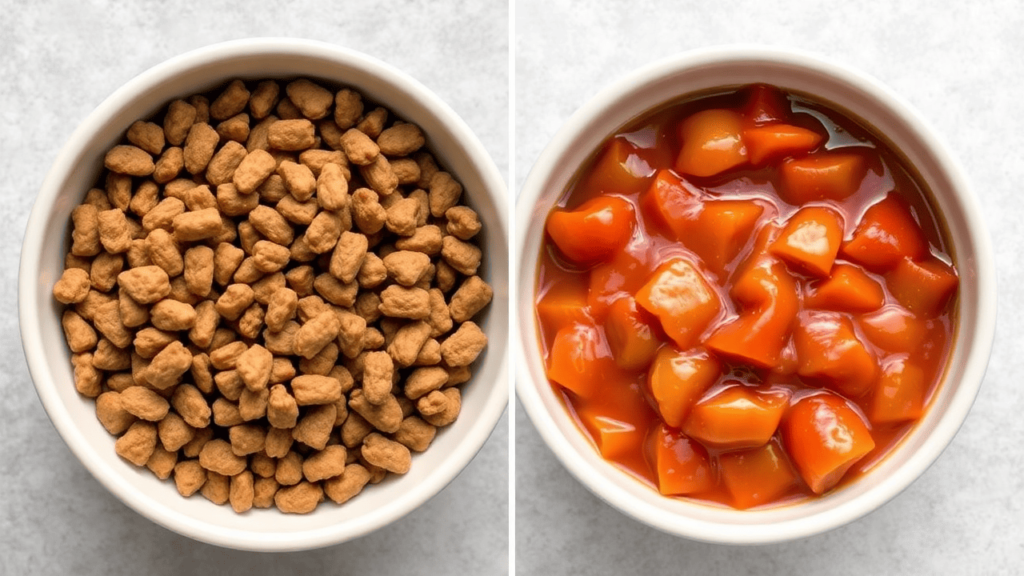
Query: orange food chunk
[673,202]
[810,239]
[848,289]
[580,360]
[620,276]
[778,140]
[721,230]
[620,169]
[756,476]
[765,104]
[683,465]
[824,437]
[614,438]
[894,329]
[828,350]
[923,287]
[900,393]
[631,334]
[678,379]
[823,176]
[712,143]
[681,298]
[563,303]
[593,231]
[761,331]
[736,417]
[886,234]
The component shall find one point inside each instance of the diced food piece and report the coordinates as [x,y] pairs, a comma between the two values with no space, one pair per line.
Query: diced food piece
[824,436]
[620,276]
[886,234]
[757,476]
[810,240]
[922,287]
[848,289]
[721,230]
[823,176]
[620,169]
[614,438]
[594,230]
[737,416]
[683,465]
[563,303]
[580,360]
[680,296]
[900,394]
[765,104]
[828,350]
[677,380]
[894,329]
[712,143]
[631,334]
[778,140]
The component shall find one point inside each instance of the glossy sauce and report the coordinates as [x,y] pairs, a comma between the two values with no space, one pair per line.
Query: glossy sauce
[623,419]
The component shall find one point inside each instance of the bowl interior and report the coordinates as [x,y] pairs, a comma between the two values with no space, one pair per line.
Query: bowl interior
[75,171]
[866,99]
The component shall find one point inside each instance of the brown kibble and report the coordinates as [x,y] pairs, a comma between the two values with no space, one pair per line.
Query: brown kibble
[426,239]
[145,285]
[403,216]
[444,193]
[197,225]
[348,256]
[314,429]
[323,232]
[282,410]
[201,437]
[168,366]
[408,172]
[200,145]
[351,333]
[272,225]
[281,309]
[372,273]
[85,233]
[406,267]
[87,378]
[104,270]
[335,291]
[172,315]
[80,335]
[327,463]
[289,469]
[298,180]
[342,488]
[230,102]
[167,168]
[72,287]
[137,444]
[379,176]
[263,99]
[253,405]
[217,456]
[246,439]
[235,299]
[302,498]
[112,414]
[264,490]
[150,341]
[226,413]
[229,384]
[269,257]
[263,465]
[316,333]
[470,298]
[387,454]
[163,251]
[162,215]
[205,327]
[301,213]
[332,188]
[162,462]
[233,203]
[279,442]
[367,213]
[461,256]
[401,140]
[226,259]
[463,347]
[373,122]
[354,429]
[115,235]
[217,488]
[253,171]
[292,135]
[311,99]
[311,389]
[425,380]
[130,160]
[283,341]
[107,321]
[432,404]
[415,434]
[199,270]
[463,222]
[110,358]
[386,417]
[226,357]
[144,404]
[407,342]
[225,161]
[179,118]
[174,432]
[188,401]
[254,366]
[235,129]
[358,147]
[401,302]
[189,477]
[378,370]
[242,492]
[348,108]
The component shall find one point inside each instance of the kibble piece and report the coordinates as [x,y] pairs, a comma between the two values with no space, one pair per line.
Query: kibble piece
[226,259]
[226,357]
[335,291]
[378,370]
[282,410]
[367,213]
[298,180]
[221,168]
[107,320]
[387,454]
[230,102]
[136,445]
[112,414]
[283,341]
[197,225]
[407,342]
[415,434]
[408,172]
[199,269]
[272,225]
[174,432]
[253,171]
[163,251]
[461,256]
[444,193]
[167,168]
[470,298]
[312,100]
[323,232]
[281,309]
[201,437]
[119,190]
[403,216]
[235,129]
[348,256]
[379,176]
[263,99]
[463,347]
[314,429]
[358,147]
[79,334]
[217,456]
[401,302]
[162,462]
[302,498]
[87,378]
[292,135]
[201,373]
[463,222]
[172,315]
[179,118]
[348,108]
[247,439]
[205,327]
[279,442]
[253,405]
[72,287]
[150,341]
[327,463]
[311,389]
[235,299]
[372,273]
[263,465]
[85,234]
[269,257]
[188,401]
[426,239]
[189,477]
[129,160]
[372,124]
[168,366]
[144,404]
[401,140]
[110,358]
[115,235]
[226,413]
[422,381]
[316,333]
[104,270]
[406,267]
[264,490]
[242,492]
[451,408]
[386,417]
[217,488]
[200,144]
[162,215]
[289,469]
[233,203]
[254,366]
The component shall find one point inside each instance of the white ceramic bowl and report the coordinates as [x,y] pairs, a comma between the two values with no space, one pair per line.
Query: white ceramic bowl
[77,167]
[866,98]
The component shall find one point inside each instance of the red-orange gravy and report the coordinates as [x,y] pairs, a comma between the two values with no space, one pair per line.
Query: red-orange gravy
[834,285]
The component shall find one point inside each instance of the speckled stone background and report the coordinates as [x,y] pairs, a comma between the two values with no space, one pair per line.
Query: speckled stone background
[58,61]
[959,64]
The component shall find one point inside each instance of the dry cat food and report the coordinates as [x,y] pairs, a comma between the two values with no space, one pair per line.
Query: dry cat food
[271,295]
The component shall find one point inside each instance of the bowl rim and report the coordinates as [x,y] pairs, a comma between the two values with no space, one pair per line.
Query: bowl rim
[29,295]
[525,346]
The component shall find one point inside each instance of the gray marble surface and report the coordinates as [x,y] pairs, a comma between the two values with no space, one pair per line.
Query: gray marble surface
[58,61]
[959,64]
